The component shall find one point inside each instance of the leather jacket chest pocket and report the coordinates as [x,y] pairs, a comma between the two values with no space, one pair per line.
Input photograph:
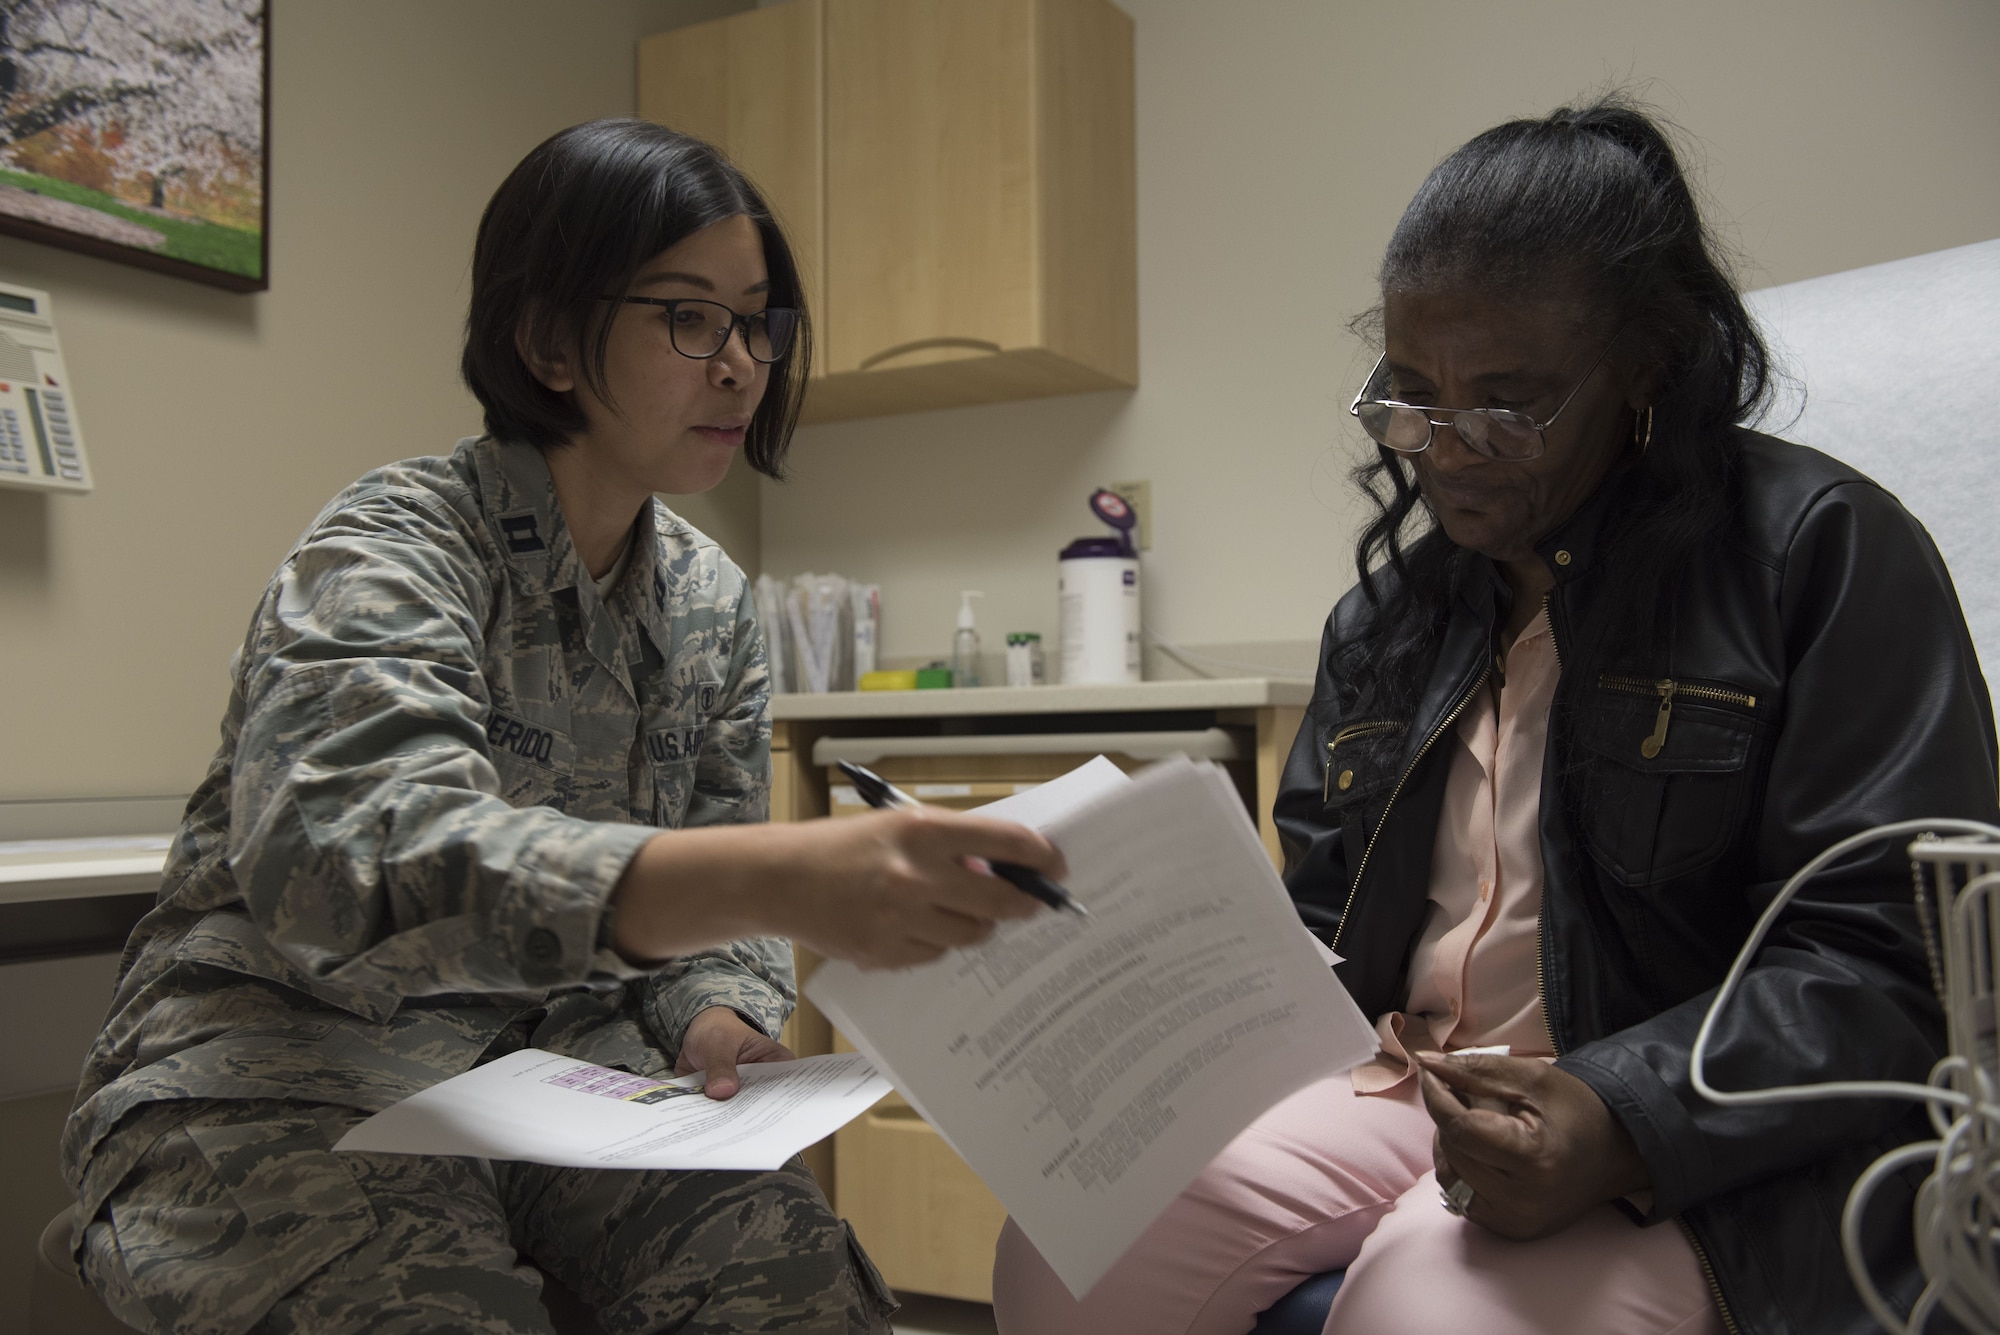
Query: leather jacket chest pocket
[1361,764]
[535,761]
[1662,784]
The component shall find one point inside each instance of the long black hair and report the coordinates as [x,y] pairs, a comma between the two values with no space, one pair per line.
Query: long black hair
[1590,203]
[570,226]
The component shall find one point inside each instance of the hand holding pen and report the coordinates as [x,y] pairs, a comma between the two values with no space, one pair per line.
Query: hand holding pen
[879,793]
[886,891]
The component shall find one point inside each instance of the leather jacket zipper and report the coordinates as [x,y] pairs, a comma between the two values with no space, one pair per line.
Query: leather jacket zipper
[1541,990]
[1354,884]
[1668,690]
[1353,732]
[1542,909]
[1708,1273]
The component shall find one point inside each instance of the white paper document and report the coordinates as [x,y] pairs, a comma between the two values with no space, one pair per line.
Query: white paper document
[545,1108]
[1087,1070]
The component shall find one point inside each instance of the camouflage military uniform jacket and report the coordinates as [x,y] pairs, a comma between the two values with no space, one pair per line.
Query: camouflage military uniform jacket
[440,752]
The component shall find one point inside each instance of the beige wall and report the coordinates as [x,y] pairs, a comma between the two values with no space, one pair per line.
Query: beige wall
[218,424]
[1278,143]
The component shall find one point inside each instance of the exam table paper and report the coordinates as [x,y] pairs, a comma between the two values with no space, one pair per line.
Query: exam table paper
[550,1109]
[1087,1070]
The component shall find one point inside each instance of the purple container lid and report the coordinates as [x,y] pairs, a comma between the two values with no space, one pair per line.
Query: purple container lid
[1088,547]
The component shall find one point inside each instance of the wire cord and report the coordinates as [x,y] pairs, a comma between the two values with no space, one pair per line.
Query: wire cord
[1958,1207]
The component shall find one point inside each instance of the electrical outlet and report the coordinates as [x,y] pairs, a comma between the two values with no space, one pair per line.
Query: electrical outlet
[1139,495]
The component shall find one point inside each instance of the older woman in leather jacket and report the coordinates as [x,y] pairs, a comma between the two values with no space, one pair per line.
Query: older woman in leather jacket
[1615,668]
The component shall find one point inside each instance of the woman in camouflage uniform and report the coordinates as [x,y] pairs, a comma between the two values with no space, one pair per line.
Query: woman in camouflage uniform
[493,774]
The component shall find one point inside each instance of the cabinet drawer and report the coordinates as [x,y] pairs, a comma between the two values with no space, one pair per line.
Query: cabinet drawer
[951,795]
[926,1219]
[962,773]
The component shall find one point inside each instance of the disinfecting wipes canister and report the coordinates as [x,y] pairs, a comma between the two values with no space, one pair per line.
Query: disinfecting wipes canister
[1099,589]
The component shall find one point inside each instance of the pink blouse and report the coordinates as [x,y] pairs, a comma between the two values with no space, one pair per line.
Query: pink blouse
[1474,980]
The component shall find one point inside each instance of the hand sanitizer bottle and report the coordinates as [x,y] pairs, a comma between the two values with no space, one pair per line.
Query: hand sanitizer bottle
[965,643]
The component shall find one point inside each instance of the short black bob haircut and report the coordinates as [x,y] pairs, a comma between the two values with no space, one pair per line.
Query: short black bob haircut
[571,225]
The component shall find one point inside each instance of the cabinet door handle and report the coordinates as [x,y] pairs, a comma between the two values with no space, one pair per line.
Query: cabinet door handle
[1202,744]
[922,344]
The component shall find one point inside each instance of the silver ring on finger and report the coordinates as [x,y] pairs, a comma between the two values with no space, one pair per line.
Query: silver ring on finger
[1457,1197]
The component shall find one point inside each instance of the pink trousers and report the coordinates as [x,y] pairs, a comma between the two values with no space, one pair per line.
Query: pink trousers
[1328,1179]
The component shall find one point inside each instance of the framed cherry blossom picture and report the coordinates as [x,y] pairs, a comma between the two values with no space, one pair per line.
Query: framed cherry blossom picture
[137,131]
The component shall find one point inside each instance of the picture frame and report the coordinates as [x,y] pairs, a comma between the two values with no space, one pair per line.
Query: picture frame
[140,133]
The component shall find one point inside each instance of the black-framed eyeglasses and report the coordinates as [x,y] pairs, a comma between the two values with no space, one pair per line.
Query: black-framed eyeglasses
[701,328]
[1497,433]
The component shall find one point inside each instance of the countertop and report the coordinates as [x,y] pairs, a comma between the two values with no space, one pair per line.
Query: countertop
[1230,693]
[48,869]
[43,869]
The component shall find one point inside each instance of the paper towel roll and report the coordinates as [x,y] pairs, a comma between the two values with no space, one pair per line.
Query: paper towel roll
[1900,365]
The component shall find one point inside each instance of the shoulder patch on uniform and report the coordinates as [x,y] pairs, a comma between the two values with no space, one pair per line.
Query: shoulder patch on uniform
[523,534]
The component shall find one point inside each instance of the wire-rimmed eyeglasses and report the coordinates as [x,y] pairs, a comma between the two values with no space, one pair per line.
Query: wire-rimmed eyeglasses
[701,328]
[1497,433]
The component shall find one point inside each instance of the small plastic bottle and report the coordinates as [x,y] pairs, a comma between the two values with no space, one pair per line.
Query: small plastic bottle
[1024,659]
[965,643]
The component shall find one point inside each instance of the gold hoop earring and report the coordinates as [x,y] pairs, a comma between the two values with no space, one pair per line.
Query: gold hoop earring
[1643,441]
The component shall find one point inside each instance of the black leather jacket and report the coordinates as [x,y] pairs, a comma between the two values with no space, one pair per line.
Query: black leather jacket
[1825,683]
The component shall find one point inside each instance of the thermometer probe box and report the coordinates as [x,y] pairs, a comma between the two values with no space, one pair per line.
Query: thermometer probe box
[41,444]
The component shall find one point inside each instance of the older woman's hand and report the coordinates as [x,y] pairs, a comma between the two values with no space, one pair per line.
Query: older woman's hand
[1535,1144]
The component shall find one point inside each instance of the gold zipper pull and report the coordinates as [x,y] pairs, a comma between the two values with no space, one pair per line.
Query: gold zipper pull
[1326,796]
[1651,746]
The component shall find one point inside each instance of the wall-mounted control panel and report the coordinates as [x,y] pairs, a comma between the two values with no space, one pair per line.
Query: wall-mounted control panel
[41,444]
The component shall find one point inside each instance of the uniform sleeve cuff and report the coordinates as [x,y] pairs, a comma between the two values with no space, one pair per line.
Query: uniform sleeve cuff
[714,982]
[554,923]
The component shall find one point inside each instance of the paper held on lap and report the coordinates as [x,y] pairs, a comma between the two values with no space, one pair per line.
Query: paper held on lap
[545,1108]
[1089,1069]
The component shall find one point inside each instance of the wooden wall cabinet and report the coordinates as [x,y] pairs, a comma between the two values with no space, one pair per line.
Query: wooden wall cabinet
[957,173]
[752,85]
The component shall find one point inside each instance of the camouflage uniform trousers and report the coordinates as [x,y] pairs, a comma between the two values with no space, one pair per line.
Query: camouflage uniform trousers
[241,1217]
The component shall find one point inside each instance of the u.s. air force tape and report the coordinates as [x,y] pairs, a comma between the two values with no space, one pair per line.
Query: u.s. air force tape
[669,745]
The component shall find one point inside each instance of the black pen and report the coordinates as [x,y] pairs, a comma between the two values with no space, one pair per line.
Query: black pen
[879,793]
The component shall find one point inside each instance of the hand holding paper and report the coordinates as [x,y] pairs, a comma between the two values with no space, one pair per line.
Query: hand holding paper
[546,1108]
[717,1041]
[1087,1070]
